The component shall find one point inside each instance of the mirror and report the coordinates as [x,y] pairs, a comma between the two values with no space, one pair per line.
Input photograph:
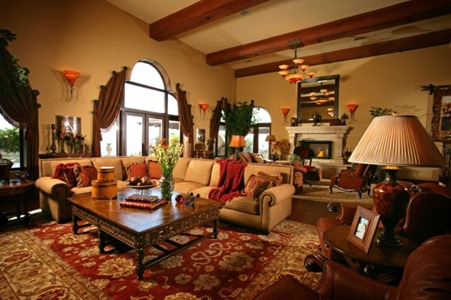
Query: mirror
[318,95]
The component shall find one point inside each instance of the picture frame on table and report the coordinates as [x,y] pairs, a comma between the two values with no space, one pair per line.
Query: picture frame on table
[363,228]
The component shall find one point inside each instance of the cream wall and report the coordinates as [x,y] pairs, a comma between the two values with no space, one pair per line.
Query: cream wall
[96,38]
[390,81]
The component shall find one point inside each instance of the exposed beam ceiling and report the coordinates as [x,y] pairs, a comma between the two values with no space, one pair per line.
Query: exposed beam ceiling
[241,33]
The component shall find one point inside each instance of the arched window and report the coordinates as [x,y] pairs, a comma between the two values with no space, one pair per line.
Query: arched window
[149,112]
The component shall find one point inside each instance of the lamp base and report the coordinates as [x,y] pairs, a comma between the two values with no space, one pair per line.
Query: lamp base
[390,201]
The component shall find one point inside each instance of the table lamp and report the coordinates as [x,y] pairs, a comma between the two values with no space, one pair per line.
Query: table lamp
[237,141]
[394,142]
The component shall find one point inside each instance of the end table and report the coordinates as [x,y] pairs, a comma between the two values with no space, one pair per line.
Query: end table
[22,191]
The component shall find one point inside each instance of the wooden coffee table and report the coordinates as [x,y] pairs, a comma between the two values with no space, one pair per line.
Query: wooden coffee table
[140,228]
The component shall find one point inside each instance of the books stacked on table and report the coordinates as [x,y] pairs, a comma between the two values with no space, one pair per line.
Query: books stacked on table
[142,201]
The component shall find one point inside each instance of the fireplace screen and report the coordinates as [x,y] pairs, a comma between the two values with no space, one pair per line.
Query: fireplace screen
[319,149]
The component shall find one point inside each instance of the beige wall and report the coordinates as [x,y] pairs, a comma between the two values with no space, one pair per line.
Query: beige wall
[96,38]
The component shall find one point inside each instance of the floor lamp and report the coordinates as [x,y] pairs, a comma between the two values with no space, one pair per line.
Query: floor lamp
[394,142]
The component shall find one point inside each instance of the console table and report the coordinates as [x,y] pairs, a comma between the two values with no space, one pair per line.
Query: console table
[381,263]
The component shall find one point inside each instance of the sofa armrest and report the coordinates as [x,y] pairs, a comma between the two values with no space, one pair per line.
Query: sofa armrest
[52,186]
[278,193]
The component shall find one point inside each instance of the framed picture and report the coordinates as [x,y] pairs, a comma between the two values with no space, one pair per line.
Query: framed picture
[441,114]
[201,136]
[363,228]
[66,124]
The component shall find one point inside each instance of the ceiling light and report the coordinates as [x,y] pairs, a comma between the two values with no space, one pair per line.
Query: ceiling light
[296,70]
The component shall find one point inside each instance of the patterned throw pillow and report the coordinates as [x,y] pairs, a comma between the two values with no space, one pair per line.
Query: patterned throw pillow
[136,170]
[65,172]
[85,175]
[154,170]
[255,186]
[275,179]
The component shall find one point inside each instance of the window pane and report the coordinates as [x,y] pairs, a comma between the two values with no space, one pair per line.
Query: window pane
[134,133]
[263,145]
[143,98]
[174,130]
[147,74]
[249,141]
[108,145]
[261,115]
[10,142]
[221,142]
[155,132]
[172,106]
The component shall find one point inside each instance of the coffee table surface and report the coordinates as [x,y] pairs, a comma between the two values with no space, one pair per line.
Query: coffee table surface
[137,219]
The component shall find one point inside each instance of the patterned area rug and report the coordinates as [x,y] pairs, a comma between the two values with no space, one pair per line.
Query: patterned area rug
[323,194]
[46,261]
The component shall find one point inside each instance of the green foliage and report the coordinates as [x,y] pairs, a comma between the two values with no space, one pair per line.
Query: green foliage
[9,140]
[239,118]
[379,111]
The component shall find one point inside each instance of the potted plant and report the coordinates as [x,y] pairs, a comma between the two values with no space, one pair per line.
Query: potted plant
[239,118]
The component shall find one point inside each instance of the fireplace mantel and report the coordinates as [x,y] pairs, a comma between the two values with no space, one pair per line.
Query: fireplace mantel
[336,134]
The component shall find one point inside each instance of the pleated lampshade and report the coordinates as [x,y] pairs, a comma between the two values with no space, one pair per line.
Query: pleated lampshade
[397,141]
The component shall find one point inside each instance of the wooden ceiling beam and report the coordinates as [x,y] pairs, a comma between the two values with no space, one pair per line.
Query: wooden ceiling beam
[405,44]
[196,15]
[399,14]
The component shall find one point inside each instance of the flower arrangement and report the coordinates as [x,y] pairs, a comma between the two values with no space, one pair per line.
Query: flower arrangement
[167,155]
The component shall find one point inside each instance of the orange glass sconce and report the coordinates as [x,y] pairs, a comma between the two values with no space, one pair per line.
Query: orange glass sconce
[203,107]
[285,111]
[71,77]
[352,108]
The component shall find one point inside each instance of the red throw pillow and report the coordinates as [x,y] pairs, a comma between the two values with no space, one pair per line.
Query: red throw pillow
[136,170]
[85,175]
[255,186]
[65,172]
[154,170]
[275,179]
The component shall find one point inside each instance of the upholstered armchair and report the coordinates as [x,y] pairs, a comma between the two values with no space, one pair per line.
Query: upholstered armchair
[428,214]
[356,180]
[426,276]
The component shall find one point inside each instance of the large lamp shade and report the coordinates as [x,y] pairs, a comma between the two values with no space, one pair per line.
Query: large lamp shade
[393,142]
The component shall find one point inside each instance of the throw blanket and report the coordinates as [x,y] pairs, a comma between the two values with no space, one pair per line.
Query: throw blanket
[230,180]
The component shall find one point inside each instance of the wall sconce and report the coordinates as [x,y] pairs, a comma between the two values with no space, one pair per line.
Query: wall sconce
[71,77]
[352,108]
[285,111]
[203,107]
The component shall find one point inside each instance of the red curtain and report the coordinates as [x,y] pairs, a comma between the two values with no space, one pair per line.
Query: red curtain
[107,108]
[18,103]
[185,117]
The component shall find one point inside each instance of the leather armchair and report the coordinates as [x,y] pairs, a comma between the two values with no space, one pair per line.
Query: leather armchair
[357,180]
[426,276]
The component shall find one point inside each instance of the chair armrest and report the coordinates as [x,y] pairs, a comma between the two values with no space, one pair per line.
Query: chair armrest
[278,193]
[52,185]
[340,282]
[347,211]
[315,262]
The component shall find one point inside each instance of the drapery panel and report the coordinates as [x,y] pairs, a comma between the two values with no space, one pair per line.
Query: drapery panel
[107,107]
[185,117]
[215,122]
[18,102]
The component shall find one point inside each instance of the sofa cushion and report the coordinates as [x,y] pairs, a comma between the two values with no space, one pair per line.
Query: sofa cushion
[185,187]
[180,169]
[275,179]
[256,157]
[85,174]
[65,172]
[137,170]
[154,169]
[199,170]
[244,204]
[110,162]
[215,174]
[255,186]
[48,166]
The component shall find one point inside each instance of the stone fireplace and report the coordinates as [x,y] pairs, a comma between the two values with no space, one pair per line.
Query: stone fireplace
[334,136]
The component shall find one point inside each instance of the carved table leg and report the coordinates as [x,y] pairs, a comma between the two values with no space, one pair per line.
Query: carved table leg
[139,261]
[75,226]
[215,228]
[102,242]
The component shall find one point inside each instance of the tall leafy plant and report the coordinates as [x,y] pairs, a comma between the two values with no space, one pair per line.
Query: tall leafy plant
[239,118]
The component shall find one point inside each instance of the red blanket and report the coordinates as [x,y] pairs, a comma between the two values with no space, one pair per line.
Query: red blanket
[230,180]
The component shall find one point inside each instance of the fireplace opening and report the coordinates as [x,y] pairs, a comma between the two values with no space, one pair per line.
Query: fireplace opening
[319,149]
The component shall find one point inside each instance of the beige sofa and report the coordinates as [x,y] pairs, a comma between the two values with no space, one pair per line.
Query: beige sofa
[198,176]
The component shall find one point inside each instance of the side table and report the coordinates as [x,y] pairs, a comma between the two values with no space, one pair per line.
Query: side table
[381,263]
[20,189]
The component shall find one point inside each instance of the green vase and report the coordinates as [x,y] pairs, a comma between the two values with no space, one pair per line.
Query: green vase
[167,187]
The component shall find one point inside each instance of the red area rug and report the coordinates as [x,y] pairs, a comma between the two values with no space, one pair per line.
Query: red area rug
[48,262]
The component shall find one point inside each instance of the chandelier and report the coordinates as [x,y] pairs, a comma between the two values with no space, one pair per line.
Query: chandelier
[295,71]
